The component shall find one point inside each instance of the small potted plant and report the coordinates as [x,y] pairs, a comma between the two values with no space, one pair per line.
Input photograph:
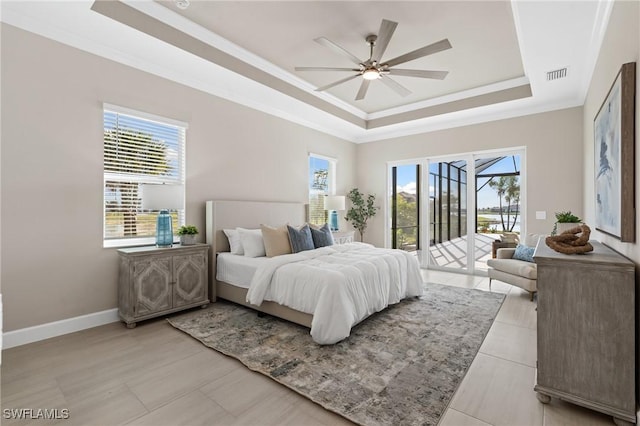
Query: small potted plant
[565,221]
[187,235]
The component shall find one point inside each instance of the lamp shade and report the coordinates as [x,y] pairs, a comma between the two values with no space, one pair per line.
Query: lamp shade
[159,197]
[334,202]
[163,198]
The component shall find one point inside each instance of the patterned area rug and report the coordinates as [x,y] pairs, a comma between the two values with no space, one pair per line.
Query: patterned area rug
[400,366]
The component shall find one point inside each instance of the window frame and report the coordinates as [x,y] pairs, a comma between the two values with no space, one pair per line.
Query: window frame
[149,179]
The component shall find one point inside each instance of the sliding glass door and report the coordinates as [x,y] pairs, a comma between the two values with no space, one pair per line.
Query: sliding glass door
[448,218]
[454,212]
[475,206]
[499,202]
[405,207]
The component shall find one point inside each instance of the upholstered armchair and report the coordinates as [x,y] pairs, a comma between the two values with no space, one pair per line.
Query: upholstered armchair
[516,271]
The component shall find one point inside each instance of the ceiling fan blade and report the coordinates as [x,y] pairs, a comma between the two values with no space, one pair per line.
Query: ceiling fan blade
[363,89]
[438,75]
[384,36]
[325,69]
[397,87]
[419,53]
[335,83]
[331,45]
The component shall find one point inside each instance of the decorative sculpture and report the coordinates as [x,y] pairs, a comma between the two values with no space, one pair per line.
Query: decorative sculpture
[570,243]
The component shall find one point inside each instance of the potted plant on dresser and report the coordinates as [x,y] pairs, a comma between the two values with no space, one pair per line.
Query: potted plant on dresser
[187,235]
[564,222]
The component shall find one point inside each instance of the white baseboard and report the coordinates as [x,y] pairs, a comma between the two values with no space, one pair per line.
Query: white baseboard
[57,328]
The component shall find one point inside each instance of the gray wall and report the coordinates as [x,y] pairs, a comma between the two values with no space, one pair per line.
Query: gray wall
[621,45]
[553,144]
[53,263]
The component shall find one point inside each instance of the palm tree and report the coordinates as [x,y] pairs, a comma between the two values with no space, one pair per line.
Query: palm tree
[508,188]
[501,187]
[512,196]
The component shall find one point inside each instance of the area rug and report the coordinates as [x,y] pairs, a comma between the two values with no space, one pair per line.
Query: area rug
[400,366]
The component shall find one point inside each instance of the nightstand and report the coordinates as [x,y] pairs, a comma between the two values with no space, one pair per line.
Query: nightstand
[157,281]
[342,237]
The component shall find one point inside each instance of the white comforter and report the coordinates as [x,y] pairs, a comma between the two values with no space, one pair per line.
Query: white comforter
[340,285]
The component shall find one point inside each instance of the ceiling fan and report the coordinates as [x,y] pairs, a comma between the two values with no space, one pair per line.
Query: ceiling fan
[374,68]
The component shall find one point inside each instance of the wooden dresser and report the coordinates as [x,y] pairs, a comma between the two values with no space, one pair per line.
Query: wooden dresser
[158,281]
[587,330]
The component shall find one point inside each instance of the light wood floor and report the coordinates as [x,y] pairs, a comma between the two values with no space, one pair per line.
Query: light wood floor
[156,375]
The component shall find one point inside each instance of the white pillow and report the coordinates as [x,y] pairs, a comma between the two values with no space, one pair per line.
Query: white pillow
[252,242]
[235,244]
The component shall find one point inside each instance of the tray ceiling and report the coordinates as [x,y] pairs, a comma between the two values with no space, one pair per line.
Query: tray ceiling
[483,35]
[246,51]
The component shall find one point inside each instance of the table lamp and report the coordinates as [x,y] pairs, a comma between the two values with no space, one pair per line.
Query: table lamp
[164,198]
[333,203]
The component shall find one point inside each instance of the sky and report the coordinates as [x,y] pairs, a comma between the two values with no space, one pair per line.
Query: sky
[487,197]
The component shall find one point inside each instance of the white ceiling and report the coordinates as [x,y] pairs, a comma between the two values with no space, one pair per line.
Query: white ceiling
[245,51]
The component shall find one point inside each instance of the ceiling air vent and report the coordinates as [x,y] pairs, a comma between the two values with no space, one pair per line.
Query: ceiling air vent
[556,74]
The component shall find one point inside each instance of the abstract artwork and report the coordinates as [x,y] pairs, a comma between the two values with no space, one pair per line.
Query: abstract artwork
[614,158]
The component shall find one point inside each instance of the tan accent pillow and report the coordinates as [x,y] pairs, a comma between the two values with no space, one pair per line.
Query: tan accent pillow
[276,240]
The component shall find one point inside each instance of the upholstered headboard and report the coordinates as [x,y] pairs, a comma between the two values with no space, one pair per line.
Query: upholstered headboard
[244,214]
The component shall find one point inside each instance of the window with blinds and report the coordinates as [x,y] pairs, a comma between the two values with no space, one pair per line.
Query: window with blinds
[321,183]
[139,149]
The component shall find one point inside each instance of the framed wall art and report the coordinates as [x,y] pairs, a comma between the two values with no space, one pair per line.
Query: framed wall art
[614,142]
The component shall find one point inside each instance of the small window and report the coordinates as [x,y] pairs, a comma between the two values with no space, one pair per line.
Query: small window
[139,149]
[322,172]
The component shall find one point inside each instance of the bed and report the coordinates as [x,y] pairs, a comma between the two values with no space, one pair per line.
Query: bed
[267,275]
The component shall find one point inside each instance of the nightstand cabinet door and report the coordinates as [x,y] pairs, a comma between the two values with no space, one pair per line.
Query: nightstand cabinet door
[190,273]
[152,283]
[158,281]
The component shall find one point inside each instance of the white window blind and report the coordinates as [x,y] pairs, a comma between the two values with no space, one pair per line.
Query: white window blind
[322,174]
[138,149]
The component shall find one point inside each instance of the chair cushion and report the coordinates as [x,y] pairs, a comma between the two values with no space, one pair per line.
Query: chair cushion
[515,267]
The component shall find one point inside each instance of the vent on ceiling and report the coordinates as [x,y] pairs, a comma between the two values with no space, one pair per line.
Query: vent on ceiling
[556,74]
[182,4]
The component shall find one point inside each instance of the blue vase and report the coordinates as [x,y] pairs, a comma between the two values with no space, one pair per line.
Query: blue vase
[164,229]
[334,220]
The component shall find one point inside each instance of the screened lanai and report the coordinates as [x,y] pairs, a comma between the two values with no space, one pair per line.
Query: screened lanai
[497,208]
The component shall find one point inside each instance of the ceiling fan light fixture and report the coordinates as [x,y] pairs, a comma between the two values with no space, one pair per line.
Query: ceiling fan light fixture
[371,74]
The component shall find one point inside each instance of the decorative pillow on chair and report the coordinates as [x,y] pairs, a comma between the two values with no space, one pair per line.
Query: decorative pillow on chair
[322,237]
[524,253]
[300,239]
[276,240]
